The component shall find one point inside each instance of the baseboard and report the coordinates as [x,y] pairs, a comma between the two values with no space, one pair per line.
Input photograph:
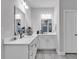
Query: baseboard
[46,49]
[60,53]
[70,53]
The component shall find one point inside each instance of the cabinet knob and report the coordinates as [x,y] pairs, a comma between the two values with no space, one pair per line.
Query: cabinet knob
[32,54]
[35,45]
[32,45]
[75,34]
[47,40]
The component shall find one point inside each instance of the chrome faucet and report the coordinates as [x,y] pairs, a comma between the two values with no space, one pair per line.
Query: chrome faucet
[21,35]
[21,32]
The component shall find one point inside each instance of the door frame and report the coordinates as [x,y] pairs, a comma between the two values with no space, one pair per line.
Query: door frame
[64,26]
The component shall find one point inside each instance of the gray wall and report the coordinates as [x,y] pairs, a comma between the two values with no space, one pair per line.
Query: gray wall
[65,5]
[7,18]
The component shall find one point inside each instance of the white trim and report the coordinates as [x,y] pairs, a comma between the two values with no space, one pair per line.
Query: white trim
[58,26]
[64,26]
[60,53]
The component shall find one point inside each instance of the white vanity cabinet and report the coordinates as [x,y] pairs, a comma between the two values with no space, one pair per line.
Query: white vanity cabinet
[20,51]
[47,42]
[33,49]
[15,51]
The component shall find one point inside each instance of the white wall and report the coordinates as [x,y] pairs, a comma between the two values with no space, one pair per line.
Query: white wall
[28,17]
[64,5]
[36,16]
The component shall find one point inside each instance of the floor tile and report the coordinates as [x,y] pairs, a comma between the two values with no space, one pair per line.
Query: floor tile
[54,55]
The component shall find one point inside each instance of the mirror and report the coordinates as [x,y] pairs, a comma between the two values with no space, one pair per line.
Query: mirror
[19,21]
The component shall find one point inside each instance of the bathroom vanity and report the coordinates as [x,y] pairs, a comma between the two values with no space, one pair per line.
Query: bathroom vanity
[47,41]
[24,48]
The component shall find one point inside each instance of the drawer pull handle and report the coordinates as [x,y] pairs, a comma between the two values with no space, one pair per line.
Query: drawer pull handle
[32,54]
[35,45]
[75,34]
[31,45]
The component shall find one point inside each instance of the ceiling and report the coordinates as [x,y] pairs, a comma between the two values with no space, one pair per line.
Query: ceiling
[41,3]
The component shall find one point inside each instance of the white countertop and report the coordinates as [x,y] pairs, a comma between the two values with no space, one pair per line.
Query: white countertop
[24,40]
[48,34]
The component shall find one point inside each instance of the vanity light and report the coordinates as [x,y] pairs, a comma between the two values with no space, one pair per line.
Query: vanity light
[26,6]
[46,16]
[17,16]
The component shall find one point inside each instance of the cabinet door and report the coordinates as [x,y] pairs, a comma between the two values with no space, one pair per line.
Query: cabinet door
[33,49]
[31,55]
[50,43]
[16,52]
[47,42]
[42,43]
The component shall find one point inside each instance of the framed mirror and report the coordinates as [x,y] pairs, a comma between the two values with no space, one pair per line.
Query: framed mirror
[19,21]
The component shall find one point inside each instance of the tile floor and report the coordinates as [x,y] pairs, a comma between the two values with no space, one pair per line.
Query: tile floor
[53,55]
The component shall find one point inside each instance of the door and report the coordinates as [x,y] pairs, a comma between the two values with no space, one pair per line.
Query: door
[70,29]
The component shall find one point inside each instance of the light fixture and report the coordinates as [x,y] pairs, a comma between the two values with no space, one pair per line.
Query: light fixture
[17,16]
[46,16]
[24,4]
